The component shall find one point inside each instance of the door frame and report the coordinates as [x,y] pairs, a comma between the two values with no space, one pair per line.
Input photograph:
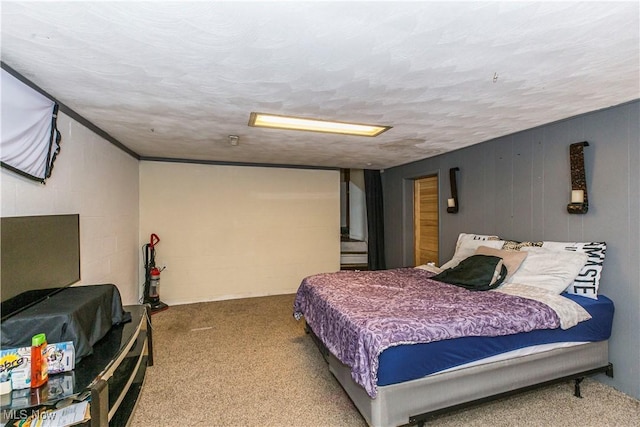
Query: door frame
[408,232]
[415,242]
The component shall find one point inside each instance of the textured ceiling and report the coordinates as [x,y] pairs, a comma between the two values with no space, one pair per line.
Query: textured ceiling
[175,79]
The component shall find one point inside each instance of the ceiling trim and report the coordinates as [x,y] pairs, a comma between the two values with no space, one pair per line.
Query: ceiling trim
[70,112]
[225,163]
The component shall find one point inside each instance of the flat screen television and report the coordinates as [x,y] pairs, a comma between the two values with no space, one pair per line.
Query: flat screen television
[39,256]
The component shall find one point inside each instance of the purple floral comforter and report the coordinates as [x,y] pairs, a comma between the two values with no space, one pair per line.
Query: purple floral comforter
[357,315]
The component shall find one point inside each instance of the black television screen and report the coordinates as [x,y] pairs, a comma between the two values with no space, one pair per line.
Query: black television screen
[39,255]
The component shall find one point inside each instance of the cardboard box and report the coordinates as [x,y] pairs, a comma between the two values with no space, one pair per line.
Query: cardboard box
[17,362]
[61,357]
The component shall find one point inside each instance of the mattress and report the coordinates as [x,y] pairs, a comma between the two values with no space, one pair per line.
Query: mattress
[408,362]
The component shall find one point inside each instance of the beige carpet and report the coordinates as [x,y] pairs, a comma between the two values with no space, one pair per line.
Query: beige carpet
[249,363]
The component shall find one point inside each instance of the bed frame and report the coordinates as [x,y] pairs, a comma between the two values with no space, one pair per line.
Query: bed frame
[417,401]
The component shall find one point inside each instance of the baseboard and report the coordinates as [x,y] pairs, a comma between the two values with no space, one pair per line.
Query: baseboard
[231,297]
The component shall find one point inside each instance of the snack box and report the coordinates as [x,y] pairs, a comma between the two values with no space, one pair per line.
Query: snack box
[61,357]
[17,362]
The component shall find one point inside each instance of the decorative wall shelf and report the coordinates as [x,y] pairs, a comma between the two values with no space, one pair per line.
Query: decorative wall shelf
[579,196]
[452,203]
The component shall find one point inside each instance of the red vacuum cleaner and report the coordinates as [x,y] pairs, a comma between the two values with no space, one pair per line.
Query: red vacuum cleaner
[152,276]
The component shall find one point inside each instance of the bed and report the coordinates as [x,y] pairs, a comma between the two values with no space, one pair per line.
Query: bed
[406,347]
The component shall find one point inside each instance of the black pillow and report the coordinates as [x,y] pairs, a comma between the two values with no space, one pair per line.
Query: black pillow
[475,273]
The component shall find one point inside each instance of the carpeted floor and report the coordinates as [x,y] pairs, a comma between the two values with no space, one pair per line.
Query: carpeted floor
[247,362]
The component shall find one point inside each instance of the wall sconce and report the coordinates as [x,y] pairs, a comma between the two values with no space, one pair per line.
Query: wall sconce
[452,203]
[579,200]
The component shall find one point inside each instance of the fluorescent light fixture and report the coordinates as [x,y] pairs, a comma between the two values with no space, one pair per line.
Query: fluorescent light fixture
[314,125]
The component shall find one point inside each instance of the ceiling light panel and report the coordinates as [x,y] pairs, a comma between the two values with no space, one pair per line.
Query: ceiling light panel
[314,125]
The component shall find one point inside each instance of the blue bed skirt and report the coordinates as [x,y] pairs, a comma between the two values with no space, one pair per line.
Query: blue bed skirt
[409,362]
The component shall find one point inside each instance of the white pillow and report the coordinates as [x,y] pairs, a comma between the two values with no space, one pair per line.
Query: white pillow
[587,282]
[466,236]
[468,247]
[550,270]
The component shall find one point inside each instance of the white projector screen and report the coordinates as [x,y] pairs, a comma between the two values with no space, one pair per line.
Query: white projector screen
[29,141]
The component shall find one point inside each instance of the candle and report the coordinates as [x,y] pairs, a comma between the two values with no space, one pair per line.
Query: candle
[577,196]
[451,203]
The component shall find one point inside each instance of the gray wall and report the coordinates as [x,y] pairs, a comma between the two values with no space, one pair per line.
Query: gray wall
[518,187]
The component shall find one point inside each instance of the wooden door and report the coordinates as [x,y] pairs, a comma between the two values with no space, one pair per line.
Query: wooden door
[425,217]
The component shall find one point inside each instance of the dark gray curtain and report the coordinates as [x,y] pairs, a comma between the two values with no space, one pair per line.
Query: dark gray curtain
[375,218]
